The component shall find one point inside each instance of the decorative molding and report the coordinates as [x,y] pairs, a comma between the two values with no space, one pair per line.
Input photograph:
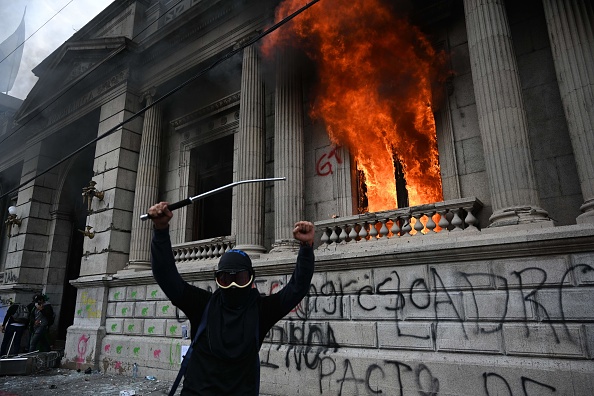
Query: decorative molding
[107,29]
[88,97]
[195,116]
[192,35]
[242,41]
[79,68]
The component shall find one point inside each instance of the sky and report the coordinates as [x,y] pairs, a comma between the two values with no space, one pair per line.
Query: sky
[74,16]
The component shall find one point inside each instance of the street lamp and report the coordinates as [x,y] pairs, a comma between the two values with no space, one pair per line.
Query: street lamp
[12,219]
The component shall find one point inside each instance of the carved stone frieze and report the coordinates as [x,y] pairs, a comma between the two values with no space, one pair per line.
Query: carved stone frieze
[107,85]
[212,108]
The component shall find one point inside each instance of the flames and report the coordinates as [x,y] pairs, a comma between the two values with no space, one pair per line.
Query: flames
[375,72]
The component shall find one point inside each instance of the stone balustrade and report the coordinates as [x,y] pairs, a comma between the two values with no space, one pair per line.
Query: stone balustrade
[202,250]
[447,216]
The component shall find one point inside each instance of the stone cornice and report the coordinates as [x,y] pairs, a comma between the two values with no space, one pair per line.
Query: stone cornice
[190,29]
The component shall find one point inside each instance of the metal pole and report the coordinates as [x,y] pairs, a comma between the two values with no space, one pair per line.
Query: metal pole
[187,201]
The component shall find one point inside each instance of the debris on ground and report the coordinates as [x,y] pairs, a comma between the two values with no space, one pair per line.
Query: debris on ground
[58,381]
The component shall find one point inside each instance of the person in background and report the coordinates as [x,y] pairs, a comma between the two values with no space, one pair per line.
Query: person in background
[13,327]
[229,325]
[42,317]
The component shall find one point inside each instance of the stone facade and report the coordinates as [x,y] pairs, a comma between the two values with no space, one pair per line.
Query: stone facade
[492,297]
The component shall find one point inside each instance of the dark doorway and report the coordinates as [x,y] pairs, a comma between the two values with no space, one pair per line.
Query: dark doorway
[78,217]
[214,168]
[72,210]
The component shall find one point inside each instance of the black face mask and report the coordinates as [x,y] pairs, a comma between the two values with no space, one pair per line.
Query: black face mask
[235,297]
[233,261]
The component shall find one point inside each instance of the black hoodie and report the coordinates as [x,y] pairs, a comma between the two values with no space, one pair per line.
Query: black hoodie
[225,360]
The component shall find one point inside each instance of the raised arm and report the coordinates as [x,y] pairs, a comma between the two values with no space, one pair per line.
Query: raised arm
[276,306]
[181,293]
[162,260]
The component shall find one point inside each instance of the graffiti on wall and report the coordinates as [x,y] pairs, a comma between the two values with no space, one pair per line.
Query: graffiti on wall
[472,306]
[89,307]
[324,165]
[306,345]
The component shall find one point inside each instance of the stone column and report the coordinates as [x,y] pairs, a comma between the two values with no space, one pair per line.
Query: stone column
[147,186]
[572,42]
[250,163]
[288,151]
[502,118]
[28,247]
[114,169]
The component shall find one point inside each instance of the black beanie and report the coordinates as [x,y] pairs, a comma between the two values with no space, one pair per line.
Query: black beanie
[235,260]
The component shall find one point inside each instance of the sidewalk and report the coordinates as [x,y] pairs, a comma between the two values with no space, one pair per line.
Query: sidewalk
[64,382]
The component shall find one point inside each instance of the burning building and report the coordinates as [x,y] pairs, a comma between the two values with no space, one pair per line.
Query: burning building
[442,148]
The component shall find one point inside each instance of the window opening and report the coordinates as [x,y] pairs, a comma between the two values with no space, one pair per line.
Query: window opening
[214,168]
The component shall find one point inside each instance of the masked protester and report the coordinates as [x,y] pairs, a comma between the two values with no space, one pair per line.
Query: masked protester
[42,317]
[233,321]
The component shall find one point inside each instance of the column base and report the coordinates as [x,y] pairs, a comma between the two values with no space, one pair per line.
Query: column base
[254,251]
[135,266]
[83,347]
[588,215]
[284,246]
[531,216]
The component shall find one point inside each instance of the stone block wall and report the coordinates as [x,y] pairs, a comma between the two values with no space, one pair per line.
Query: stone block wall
[481,327]
[485,318]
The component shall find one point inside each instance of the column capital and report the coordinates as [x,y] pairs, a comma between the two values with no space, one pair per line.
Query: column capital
[148,95]
[245,39]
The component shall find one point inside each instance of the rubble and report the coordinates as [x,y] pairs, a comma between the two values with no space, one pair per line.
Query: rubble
[57,381]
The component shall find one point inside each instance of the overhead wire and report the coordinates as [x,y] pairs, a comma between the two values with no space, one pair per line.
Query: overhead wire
[109,56]
[240,48]
[32,34]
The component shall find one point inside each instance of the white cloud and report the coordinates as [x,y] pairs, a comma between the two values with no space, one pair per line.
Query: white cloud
[74,16]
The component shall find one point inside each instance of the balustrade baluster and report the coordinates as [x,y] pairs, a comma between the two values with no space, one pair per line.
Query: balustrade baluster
[353,233]
[343,235]
[470,219]
[373,231]
[457,221]
[334,235]
[443,220]
[384,229]
[418,224]
[324,239]
[192,253]
[406,227]
[363,232]
[430,223]
[395,228]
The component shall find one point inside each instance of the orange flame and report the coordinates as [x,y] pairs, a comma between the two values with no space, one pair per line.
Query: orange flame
[375,72]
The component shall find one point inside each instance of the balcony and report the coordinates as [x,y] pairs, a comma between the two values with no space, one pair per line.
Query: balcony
[206,249]
[457,215]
